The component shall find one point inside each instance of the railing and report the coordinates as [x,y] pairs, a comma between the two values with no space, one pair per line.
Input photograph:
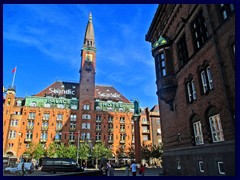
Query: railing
[145,131]
[110,141]
[122,130]
[122,141]
[30,127]
[58,128]
[43,140]
[44,128]
[72,129]
[110,130]
[28,140]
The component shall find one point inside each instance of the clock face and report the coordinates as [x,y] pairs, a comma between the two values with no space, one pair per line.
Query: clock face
[88,57]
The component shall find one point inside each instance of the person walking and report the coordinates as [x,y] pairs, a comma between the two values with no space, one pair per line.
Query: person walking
[134,168]
[23,168]
[127,169]
[142,169]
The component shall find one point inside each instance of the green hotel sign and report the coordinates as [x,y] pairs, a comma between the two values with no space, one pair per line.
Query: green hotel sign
[113,106]
[53,102]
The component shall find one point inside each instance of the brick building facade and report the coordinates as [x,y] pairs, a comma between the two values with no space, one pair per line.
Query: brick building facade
[194,50]
[66,111]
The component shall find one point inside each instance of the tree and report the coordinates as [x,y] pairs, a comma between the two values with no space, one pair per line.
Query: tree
[146,152]
[71,151]
[84,152]
[100,151]
[61,151]
[51,150]
[39,151]
[131,152]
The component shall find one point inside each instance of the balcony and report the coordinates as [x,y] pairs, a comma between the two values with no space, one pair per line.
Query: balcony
[145,131]
[98,120]
[28,140]
[71,140]
[30,128]
[58,128]
[122,141]
[122,122]
[110,141]
[44,128]
[59,119]
[43,140]
[31,117]
[110,121]
[57,140]
[145,122]
[45,119]
[72,129]
[122,130]
[98,129]
[110,130]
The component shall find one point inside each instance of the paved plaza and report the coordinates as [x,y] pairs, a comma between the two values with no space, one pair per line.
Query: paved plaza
[117,172]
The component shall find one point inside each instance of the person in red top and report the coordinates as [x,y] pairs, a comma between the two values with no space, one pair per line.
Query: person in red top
[142,169]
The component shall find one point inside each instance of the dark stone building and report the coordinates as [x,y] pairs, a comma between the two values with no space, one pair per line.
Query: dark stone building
[193,46]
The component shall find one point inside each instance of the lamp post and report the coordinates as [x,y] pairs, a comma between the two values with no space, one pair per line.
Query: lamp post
[78,139]
[136,117]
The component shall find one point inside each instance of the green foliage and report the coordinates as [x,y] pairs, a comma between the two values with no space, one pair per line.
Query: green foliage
[130,152]
[149,151]
[84,151]
[100,151]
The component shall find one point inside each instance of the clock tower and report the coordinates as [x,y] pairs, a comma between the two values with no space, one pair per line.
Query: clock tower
[87,81]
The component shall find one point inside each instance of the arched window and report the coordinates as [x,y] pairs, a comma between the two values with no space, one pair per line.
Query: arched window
[33,104]
[215,125]
[196,128]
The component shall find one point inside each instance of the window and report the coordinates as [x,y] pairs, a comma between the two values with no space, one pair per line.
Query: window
[14,123]
[200,166]
[182,51]
[98,136]
[61,106]
[191,92]
[47,105]
[29,135]
[73,117]
[86,106]
[110,119]
[74,106]
[220,167]
[32,115]
[86,116]
[19,103]
[206,80]
[12,134]
[73,125]
[71,136]
[178,164]
[44,136]
[98,118]
[110,137]
[197,128]
[33,104]
[160,65]
[60,117]
[46,116]
[58,136]
[122,119]
[226,10]
[98,126]
[85,136]
[199,30]
[216,128]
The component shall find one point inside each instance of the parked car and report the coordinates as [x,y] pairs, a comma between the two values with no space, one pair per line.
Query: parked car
[29,167]
[54,165]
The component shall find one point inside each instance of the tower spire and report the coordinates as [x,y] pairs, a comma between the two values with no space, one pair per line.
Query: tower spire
[89,40]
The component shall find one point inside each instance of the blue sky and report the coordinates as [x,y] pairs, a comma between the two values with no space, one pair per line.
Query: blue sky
[45,41]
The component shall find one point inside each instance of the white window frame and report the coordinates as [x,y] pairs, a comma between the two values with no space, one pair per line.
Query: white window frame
[197,129]
[12,134]
[73,117]
[210,80]
[86,107]
[178,164]
[219,167]
[200,166]
[216,128]
[204,82]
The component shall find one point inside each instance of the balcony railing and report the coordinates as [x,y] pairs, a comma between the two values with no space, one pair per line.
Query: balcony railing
[110,130]
[44,128]
[43,140]
[122,130]
[57,140]
[72,128]
[30,127]
[110,141]
[58,128]
[145,131]
[28,140]
[71,140]
[98,129]
[98,120]
[122,122]
[45,118]
[122,141]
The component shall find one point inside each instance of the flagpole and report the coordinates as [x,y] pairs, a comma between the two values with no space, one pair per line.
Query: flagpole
[14,76]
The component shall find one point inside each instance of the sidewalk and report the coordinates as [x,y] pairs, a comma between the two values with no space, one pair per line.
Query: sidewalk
[148,172]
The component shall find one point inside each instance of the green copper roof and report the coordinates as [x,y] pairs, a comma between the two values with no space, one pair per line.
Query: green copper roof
[161,41]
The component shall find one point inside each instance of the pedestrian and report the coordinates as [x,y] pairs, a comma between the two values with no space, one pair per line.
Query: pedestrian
[23,168]
[108,168]
[127,169]
[111,170]
[134,168]
[142,169]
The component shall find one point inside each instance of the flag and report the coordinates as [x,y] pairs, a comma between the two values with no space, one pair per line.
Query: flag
[14,70]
